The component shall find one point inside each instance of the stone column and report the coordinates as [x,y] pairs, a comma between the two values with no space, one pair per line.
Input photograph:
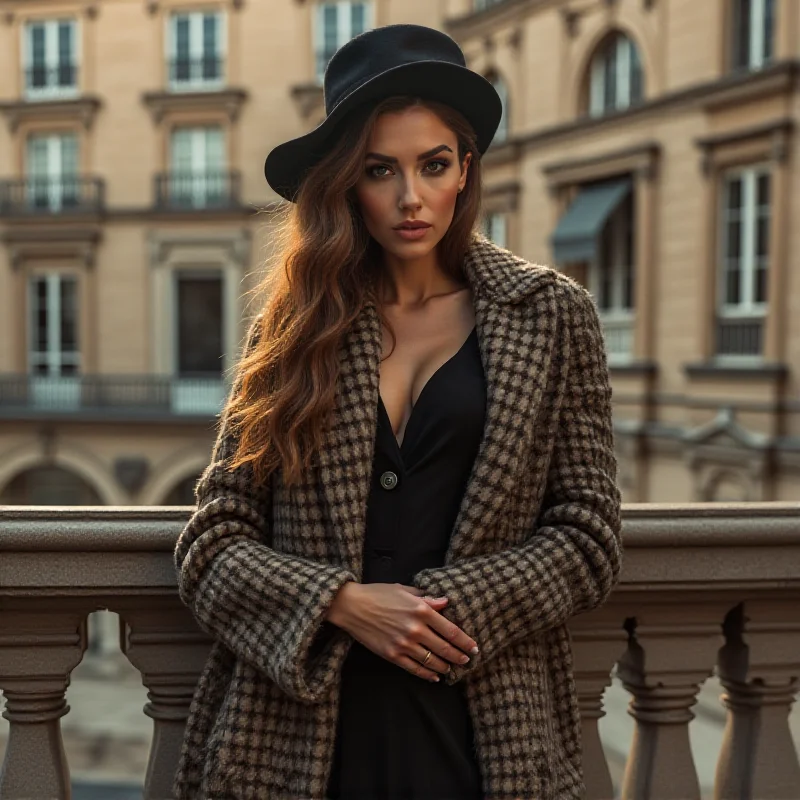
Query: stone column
[165,645]
[667,660]
[597,643]
[759,667]
[38,651]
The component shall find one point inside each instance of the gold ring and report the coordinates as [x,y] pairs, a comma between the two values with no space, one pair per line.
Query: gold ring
[425,660]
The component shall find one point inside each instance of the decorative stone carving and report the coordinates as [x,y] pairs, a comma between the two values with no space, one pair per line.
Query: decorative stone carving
[131,472]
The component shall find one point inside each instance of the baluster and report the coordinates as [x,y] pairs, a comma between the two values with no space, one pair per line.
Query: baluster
[667,660]
[759,668]
[38,651]
[169,650]
[598,639]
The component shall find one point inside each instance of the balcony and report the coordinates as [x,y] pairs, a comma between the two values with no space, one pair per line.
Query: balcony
[47,197]
[106,397]
[198,191]
[43,83]
[708,592]
[740,336]
[196,74]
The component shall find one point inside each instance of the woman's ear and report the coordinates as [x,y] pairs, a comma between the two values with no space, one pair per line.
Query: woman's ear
[464,170]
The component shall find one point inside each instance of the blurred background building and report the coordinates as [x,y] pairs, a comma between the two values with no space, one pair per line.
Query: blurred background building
[647,149]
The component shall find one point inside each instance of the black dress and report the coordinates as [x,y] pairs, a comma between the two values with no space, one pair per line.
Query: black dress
[401,737]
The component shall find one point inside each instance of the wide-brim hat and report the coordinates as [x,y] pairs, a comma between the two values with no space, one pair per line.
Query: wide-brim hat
[410,60]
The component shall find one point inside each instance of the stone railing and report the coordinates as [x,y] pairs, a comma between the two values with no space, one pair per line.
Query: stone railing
[705,588]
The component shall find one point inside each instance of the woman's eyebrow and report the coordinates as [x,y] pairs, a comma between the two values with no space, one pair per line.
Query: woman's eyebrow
[420,157]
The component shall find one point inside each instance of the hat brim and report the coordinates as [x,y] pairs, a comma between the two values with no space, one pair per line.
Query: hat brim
[458,87]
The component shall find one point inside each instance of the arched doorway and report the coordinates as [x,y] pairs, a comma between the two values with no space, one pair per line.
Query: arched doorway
[182,494]
[49,486]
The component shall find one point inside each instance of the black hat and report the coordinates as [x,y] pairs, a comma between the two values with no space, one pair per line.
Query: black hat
[393,60]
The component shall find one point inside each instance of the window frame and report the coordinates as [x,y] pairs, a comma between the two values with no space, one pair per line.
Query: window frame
[202,175]
[56,178]
[52,58]
[625,58]
[501,87]
[55,357]
[495,227]
[748,236]
[197,54]
[760,42]
[344,32]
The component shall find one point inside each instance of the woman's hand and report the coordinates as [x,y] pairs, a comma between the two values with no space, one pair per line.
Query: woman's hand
[396,623]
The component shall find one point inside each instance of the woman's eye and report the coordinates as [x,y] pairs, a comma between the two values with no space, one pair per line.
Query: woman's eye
[436,167]
[373,170]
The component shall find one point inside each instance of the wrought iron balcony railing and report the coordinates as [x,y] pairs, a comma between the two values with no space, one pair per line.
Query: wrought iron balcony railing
[196,72]
[104,396]
[740,336]
[705,589]
[187,191]
[66,194]
[51,81]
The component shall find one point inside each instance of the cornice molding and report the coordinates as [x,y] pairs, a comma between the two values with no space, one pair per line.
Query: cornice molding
[308,97]
[81,109]
[52,241]
[640,159]
[161,103]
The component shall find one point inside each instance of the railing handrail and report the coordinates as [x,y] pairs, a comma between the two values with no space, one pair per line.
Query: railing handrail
[704,588]
[645,526]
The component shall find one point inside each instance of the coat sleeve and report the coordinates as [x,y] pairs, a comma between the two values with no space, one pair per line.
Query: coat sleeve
[571,561]
[266,607]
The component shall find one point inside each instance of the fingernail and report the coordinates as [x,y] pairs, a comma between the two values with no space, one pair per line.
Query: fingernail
[474,651]
[435,679]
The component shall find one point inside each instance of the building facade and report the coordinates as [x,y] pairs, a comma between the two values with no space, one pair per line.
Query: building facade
[647,149]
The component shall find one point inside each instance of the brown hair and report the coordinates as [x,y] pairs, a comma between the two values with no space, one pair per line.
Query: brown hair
[286,383]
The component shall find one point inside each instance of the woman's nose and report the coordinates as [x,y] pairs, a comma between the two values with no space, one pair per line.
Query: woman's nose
[409,197]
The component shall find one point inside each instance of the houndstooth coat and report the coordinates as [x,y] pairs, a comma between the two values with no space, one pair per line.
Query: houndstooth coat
[536,541]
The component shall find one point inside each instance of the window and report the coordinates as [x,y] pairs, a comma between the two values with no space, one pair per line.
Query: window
[53,326]
[495,227]
[753,33]
[51,181]
[502,90]
[744,265]
[50,53]
[199,324]
[337,23]
[196,47]
[480,5]
[615,76]
[198,178]
[198,387]
[611,278]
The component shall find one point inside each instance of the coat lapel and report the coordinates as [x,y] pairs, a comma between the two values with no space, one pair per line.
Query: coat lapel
[345,457]
[515,340]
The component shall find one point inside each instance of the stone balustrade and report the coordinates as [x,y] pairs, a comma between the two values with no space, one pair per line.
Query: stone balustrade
[705,589]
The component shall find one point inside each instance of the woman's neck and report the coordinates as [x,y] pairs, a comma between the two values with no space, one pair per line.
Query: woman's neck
[411,283]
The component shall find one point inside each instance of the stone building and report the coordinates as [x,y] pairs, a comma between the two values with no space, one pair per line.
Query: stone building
[647,149]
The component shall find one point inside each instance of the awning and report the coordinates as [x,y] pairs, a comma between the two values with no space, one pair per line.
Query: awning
[576,235]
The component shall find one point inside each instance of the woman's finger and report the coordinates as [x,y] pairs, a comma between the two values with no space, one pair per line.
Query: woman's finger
[415,668]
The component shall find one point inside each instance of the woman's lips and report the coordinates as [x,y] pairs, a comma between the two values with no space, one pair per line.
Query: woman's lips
[412,234]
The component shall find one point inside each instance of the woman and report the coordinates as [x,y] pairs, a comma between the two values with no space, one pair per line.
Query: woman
[413,486]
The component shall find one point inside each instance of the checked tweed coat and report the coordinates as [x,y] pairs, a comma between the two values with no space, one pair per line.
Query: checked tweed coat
[536,541]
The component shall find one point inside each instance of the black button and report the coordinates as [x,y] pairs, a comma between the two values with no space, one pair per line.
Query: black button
[388,480]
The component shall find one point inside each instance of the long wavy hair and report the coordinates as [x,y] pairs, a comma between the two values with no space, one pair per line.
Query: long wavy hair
[328,268]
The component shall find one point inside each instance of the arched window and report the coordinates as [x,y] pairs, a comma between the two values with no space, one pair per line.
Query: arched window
[49,486]
[615,76]
[502,89]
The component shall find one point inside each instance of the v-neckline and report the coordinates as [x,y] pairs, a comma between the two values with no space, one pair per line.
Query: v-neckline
[421,394]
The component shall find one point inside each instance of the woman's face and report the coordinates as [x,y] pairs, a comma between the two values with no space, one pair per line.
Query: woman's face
[407,192]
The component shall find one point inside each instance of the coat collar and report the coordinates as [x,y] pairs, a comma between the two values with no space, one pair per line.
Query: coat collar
[501,275]
[516,343]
